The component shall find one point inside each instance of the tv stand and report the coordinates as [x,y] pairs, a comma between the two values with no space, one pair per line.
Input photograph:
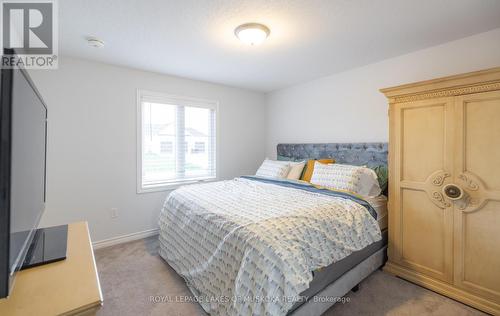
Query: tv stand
[66,287]
[48,245]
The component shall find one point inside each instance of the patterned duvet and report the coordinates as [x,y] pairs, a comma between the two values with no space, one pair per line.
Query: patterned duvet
[248,246]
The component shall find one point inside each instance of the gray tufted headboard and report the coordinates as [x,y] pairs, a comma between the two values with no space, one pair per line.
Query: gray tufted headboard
[359,154]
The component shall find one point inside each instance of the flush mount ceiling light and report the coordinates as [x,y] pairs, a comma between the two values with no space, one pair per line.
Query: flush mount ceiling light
[95,42]
[252,33]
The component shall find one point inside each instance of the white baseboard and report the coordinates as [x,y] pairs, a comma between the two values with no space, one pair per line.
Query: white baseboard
[125,238]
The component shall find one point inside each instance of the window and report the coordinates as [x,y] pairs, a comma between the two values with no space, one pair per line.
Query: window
[166,147]
[176,140]
[199,148]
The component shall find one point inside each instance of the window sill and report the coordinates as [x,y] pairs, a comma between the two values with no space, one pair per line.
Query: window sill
[171,186]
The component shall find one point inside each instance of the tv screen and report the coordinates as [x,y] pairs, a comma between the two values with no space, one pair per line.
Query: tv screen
[22,169]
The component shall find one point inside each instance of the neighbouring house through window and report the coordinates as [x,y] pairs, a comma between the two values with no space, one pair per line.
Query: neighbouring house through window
[177,140]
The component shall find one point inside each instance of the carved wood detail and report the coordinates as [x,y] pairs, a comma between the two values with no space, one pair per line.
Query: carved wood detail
[471,185]
[433,186]
[447,93]
[475,193]
[439,179]
[438,196]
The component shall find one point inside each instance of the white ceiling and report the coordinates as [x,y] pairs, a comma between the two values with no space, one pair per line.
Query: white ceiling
[309,38]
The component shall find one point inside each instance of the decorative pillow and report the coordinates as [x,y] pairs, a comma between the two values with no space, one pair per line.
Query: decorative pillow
[273,169]
[296,169]
[360,180]
[306,175]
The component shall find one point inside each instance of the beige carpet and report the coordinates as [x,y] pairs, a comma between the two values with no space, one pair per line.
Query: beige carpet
[134,280]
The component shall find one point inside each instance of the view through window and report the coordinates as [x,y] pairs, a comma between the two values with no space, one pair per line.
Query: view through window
[177,140]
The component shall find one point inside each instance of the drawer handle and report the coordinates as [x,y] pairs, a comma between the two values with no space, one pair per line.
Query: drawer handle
[453,192]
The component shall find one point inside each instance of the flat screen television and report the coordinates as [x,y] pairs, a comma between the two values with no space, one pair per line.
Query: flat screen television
[23,143]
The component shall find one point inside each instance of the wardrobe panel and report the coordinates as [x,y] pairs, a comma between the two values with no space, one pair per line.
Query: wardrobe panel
[425,227]
[481,252]
[423,140]
[482,137]
[477,215]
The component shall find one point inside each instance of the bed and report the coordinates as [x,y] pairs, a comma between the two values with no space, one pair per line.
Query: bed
[257,246]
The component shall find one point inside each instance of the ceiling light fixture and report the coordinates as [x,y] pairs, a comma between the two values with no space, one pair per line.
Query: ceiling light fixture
[252,33]
[95,42]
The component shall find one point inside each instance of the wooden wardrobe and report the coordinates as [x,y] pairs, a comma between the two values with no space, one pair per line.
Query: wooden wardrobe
[444,186]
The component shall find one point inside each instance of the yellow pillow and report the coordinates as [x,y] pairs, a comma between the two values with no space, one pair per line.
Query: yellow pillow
[306,176]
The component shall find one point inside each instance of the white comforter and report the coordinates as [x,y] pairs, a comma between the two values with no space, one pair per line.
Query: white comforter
[248,248]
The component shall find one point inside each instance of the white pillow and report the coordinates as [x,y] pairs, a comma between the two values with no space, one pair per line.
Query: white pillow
[296,169]
[273,169]
[360,180]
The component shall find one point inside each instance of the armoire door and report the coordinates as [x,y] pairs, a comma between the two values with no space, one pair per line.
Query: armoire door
[421,230]
[477,172]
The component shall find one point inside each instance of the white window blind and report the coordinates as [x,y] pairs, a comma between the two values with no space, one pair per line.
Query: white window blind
[176,140]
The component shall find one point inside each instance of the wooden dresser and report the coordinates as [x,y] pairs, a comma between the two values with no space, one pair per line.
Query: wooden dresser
[67,287]
[444,187]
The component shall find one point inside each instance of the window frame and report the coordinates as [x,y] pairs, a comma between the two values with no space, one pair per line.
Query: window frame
[161,97]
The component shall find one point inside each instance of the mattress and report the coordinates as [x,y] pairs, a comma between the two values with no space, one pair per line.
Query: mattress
[379,204]
[325,276]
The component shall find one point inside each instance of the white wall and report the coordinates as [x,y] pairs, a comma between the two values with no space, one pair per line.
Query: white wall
[91,159]
[348,107]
